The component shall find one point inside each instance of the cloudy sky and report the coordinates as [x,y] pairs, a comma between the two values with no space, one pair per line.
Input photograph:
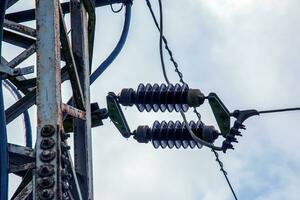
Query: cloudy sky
[246,51]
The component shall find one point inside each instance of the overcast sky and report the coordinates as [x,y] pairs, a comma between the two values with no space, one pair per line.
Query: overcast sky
[246,51]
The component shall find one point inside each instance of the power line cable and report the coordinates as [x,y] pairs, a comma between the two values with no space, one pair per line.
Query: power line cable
[279,110]
[26,118]
[166,43]
[197,139]
[118,10]
[224,172]
[118,48]
[163,39]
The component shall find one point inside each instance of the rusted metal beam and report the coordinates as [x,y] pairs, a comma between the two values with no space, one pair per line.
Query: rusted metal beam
[22,56]
[17,39]
[97,115]
[82,129]
[19,28]
[25,188]
[74,181]
[74,112]
[20,106]
[29,99]
[90,8]
[48,100]
[21,168]
[24,192]
[71,65]
[25,84]
[21,154]
[20,159]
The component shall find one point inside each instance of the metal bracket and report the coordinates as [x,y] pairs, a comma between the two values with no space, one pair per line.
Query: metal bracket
[221,113]
[116,115]
[242,115]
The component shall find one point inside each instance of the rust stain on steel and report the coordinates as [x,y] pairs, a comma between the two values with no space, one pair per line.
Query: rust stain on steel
[19,28]
[74,112]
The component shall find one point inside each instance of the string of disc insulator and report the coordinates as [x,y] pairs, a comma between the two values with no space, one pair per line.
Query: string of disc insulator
[162,97]
[163,134]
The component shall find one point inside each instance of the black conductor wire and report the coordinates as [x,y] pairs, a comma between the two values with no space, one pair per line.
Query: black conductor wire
[279,110]
[224,172]
[163,39]
[166,43]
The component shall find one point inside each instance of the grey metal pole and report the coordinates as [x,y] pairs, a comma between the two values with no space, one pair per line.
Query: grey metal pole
[82,129]
[48,100]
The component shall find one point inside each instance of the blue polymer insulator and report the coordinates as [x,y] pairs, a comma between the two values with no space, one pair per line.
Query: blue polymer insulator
[163,134]
[161,97]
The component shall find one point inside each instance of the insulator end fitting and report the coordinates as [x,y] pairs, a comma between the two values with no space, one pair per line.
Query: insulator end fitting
[127,97]
[209,133]
[142,134]
[195,98]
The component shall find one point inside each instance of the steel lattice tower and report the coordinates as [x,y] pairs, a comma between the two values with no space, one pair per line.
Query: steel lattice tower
[47,170]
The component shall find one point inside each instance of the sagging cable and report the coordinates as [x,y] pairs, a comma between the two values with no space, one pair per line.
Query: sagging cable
[26,118]
[113,55]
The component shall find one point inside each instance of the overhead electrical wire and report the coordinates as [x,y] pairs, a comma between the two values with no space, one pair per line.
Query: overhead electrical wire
[224,173]
[118,10]
[3,133]
[279,110]
[161,41]
[26,118]
[166,43]
[113,55]
[200,141]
